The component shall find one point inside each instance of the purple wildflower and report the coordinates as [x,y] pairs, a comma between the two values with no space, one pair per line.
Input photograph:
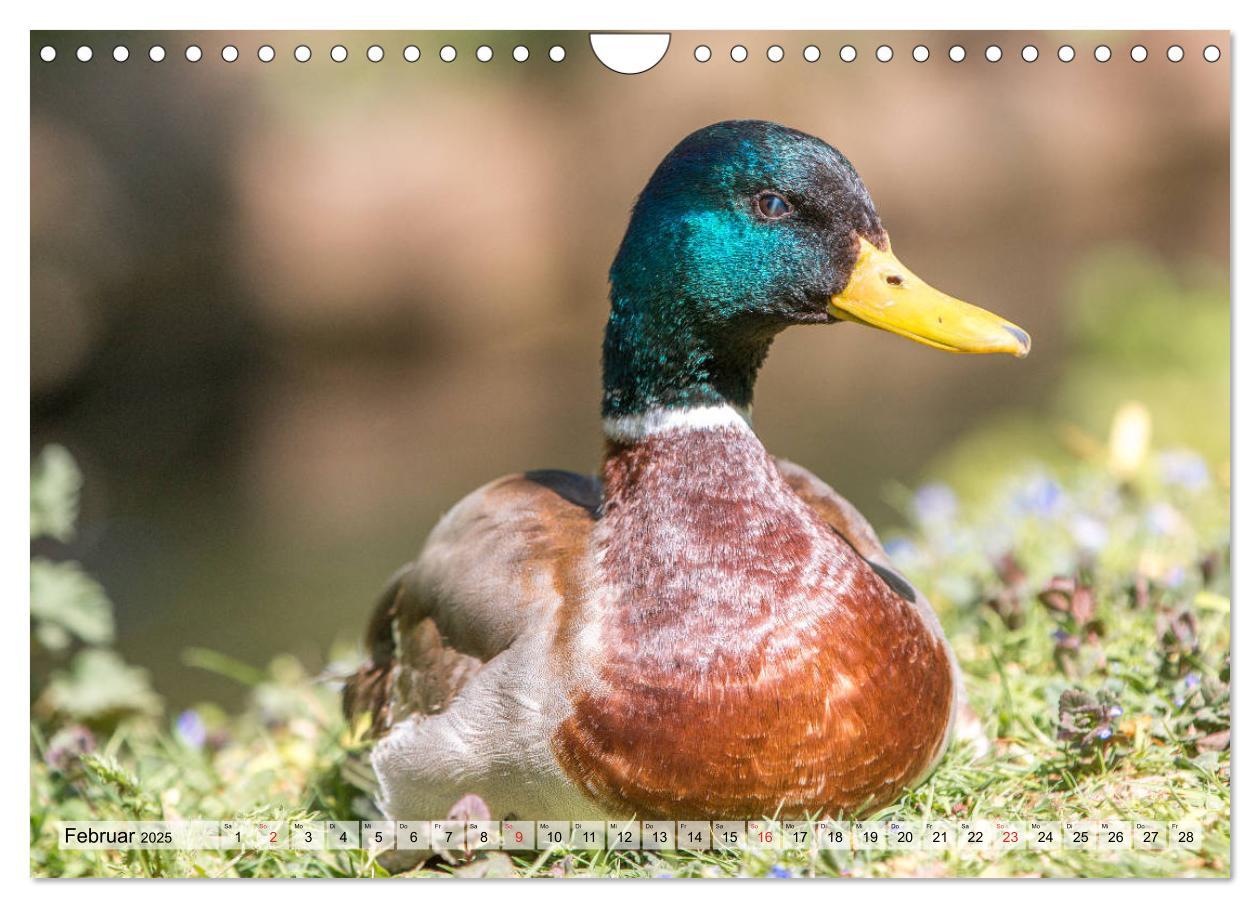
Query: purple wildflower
[67,746]
[1184,469]
[1041,497]
[190,729]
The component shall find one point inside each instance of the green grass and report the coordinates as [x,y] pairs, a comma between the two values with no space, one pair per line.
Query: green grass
[1142,629]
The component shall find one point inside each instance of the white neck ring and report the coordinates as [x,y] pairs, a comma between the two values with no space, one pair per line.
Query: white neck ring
[659,420]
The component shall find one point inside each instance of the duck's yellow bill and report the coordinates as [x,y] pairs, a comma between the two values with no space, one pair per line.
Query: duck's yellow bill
[883,293]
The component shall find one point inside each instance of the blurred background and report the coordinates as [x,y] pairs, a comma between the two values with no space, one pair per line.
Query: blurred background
[284,314]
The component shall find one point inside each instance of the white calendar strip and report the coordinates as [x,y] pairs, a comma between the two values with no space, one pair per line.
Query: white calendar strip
[968,835]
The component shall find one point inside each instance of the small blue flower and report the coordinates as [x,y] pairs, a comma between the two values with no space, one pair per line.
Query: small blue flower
[935,503]
[900,549]
[779,872]
[1104,734]
[1040,497]
[1193,679]
[190,729]
[1115,712]
[1184,469]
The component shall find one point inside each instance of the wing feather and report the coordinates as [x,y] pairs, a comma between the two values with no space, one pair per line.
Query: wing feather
[487,571]
[847,521]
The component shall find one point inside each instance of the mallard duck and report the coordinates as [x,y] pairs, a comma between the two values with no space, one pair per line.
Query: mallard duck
[703,631]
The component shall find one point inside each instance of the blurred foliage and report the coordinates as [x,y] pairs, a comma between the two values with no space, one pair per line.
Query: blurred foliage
[1136,330]
[68,606]
[100,686]
[55,484]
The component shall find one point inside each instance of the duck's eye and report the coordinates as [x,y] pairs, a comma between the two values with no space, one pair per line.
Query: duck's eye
[773,206]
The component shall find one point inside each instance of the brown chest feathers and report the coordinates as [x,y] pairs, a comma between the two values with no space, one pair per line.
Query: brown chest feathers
[750,663]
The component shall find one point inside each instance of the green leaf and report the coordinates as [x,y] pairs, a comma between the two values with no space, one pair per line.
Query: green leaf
[52,637]
[220,664]
[65,601]
[99,684]
[107,771]
[121,785]
[55,485]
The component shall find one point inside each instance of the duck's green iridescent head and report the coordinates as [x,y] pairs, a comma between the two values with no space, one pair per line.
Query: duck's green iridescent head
[746,228]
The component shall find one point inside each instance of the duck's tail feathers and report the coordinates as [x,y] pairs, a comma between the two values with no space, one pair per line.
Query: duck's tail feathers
[367,691]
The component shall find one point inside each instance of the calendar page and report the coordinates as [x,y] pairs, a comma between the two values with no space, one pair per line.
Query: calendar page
[675,453]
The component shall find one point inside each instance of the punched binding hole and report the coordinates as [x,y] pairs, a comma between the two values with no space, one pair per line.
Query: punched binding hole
[703,54]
